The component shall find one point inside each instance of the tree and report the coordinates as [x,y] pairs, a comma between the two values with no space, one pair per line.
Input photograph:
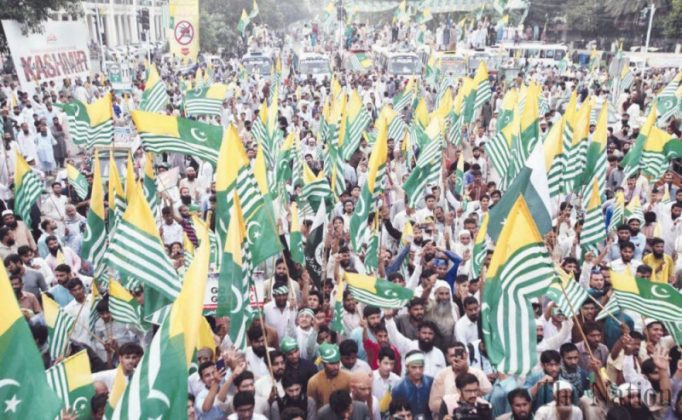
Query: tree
[32,13]
[673,21]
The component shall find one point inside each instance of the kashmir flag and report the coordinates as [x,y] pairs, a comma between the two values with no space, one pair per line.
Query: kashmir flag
[482,85]
[595,163]
[77,181]
[315,188]
[480,248]
[371,259]
[27,188]
[149,185]
[632,161]
[158,388]
[405,97]
[295,237]
[116,196]
[577,153]
[254,10]
[427,170]
[633,210]
[555,159]
[235,277]
[659,301]
[136,251]
[626,78]
[524,142]
[283,170]
[499,147]
[357,118]
[660,147]
[593,232]
[155,97]
[459,178]
[91,124]
[366,203]
[569,123]
[243,22]
[71,380]
[468,88]
[618,215]
[59,326]
[165,133]
[24,391]
[666,100]
[337,317]
[314,247]
[567,293]
[396,125]
[377,292]
[123,306]
[94,247]
[205,100]
[520,270]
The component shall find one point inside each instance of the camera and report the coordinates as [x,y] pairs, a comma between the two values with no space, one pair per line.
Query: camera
[480,411]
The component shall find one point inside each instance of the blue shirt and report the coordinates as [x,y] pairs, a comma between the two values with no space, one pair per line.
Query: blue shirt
[417,396]
[61,295]
[215,413]
[356,335]
[545,392]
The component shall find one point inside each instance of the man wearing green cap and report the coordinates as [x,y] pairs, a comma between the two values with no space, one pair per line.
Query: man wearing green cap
[331,378]
[295,364]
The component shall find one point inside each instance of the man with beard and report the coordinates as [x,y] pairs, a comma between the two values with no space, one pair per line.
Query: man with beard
[371,320]
[561,407]
[629,405]
[294,396]
[408,323]
[33,281]
[22,234]
[539,384]
[637,237]
[191,183]
[434,360]
[8,245]
[622,236]
[442,311]
[279,312]
[444,381]
[466,329]
[282,277]
[671,224]
[270,386]
[653,382]
[255,353]
[244,382]
[416,386]
[304,368]
[55,207]
[331,378]
[68,256]
[351,315]
[626,260]
[662,265]
[25,299]
[184,218]
[519,401]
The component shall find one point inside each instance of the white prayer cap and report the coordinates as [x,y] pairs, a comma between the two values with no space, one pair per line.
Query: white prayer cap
[562,386]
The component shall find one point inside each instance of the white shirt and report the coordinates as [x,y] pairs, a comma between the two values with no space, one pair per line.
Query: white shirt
[258,366]
[434,360]
[264,386]
[619,266]
[284,321]
[548,412]
[172,233]
[359,366]
[81,329]
[381,386]
[466,331]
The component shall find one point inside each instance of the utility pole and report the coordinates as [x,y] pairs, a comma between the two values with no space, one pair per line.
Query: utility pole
[99,26]
[652,10]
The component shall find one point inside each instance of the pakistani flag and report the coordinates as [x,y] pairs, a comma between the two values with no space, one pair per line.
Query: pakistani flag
[95,236]
[155,97]
[520,270]
[593,232]
[480,248]
[567,293]
[71,380]
[91,124]
[295,237]
[377,292]
[243,22]
[371,189]
[27,188]
[618,214]
[658,301]
[24,391]
[357,118]
[427,171]
[136,251]
[158,388]
[205,100]
[77,181]
[123,306]
[59,326]
[314,247]
[165,133]
[283,170]
[666,100]
[337,317]
[235,277]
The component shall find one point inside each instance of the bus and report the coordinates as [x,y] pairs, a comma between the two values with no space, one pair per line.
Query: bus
[257,63]
[451,63]
[313,64]
[360,61]
[400,63]
[537,52]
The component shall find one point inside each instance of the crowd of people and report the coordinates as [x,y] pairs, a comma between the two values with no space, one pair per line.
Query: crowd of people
[427,360]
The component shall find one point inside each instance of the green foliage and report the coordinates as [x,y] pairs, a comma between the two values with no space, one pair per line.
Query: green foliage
[31,13]
[673,20]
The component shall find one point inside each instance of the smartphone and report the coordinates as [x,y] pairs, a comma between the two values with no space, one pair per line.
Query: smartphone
[220,365]
[459,353]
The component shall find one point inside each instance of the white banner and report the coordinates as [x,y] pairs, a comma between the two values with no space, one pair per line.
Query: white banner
[60,51]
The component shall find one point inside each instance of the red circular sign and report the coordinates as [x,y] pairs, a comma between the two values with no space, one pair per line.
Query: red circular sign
[184,32]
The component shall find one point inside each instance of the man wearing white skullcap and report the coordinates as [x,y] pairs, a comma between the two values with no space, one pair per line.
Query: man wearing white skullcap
[562,407]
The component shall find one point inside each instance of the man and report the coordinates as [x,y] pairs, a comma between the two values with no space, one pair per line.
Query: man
[33,281]
[303,368]
[444,382]
[171,231]
[191,183]
[25,299]
[626,260]
[256,359]
[539,384]
[8,245]
[294,397]
[342,407]
[407,324]
[351,316]
[374,349]
[416,386]
[280,314]
[629,405]
[129,356]
[54,207]
[466,402]
[22,234]
[466,329]
[653,382]
[281,277]
[330,378]
[243,381]
[79,309]
[662,265]
[571,372]
[637,237]
[67,255]
[210,402]
[194,382]
[349,357]
[244,404]
[519,401]
[270,386]
[384,379]
[561,406]
[371,319]
[443,312]
[361,391]
[112,333]
[597,349]
[75,224]
[59,292]
[434,359]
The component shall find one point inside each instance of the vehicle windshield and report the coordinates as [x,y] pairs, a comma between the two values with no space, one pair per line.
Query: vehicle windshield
[317,66]
[258,65]
[403,65]
[453,66]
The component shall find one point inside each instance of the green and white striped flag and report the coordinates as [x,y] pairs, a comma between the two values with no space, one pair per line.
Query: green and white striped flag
[155,97]
[315,188]
[90,124]
[77,181]
[483,91]
[404,97]
[149,186]
[567,293]
[357,119]
[520,270]
[555,157]
[618,214]
[94,246]
[666,100]
[480,248]
[428,168]
[59,326]
[71,381]
[205,100]
[27,188]
[123,306]
[499,146]
[595,165]
[576,155]
[593,233]
[377,292]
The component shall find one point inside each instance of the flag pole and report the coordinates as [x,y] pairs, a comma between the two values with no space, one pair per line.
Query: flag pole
[265,335]
[602,308]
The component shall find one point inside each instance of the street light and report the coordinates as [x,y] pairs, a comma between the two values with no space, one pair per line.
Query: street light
[648,35]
